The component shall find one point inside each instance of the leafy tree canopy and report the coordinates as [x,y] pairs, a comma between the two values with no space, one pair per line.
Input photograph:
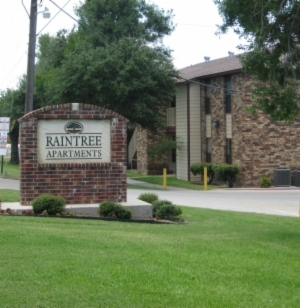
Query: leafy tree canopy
[115,59]
[12,105]
[272,30]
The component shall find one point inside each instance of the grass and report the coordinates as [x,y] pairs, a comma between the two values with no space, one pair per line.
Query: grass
[10,171]
[9,195]
[219,259]
[133,186]
[132,174]
[172,181]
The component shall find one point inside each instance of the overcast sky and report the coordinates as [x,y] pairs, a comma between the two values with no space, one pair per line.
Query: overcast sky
[193,38]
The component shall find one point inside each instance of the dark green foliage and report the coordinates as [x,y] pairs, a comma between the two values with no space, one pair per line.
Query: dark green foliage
[168,211]
[227,173]
[48,204]
[272,31]
[156,205]
[114,210]
[122,212]
[12,105]
[148,197]
[162,147]
[107,208]
[198,168]
[265,182]
[123,67]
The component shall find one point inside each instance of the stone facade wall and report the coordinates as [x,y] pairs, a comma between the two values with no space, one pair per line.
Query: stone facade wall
[262,145]
[218,134]
[77,183]
[142,156]
[259,145]
[203,124]
[145,164]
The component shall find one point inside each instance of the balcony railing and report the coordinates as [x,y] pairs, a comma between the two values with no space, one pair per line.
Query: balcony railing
[171,117]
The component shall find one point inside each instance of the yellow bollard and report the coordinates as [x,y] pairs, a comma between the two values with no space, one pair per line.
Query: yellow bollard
[205,178]
[165,178]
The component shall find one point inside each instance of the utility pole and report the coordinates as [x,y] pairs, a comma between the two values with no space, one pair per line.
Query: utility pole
[31,57]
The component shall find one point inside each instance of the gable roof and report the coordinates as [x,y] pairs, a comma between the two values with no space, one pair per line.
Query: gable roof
[212,68]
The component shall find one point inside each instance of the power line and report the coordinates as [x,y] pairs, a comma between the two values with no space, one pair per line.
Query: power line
[52,19]
[7,61]
[26,49]
[14,67]
[193,81]
[7,30]
[212,86]
[93,32]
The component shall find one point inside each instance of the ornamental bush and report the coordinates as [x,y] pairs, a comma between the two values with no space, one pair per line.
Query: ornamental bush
[227,173]
[198,168]
[148,197]
[115,210]
[49,203]
[156,205]
[265,182]
[165,209]
[168,211]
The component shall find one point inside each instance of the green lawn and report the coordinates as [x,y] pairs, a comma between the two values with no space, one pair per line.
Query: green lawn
[10,171]
[171,181]
[9,195]
[132,174]
[218,259]
[133,186]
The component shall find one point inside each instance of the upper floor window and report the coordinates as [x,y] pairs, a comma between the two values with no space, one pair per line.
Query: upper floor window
[228,91]
[228,153]
[207,96]
[208,150]
[172,103]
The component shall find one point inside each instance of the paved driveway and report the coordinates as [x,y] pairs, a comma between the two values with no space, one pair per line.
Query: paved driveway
[274,202]
[284,202]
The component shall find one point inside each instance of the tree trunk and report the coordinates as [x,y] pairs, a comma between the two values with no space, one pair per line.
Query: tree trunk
[14,137]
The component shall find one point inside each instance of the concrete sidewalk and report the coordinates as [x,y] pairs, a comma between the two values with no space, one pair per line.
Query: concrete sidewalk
[275,201]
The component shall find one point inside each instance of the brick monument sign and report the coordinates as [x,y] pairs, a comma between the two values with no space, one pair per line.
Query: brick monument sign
[77,151]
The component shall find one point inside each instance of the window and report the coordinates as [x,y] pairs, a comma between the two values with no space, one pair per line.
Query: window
[207,96]
[228,152]
[228,91]
[208,150]
[172,104]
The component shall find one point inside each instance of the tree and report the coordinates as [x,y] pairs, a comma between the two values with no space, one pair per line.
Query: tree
[115,59]
[162,147]
[12,105]
[272,30]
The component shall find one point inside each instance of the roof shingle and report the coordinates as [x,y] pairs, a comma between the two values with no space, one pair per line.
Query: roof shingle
[211,68]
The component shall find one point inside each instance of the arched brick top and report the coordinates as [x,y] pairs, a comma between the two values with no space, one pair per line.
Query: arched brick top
[93,111]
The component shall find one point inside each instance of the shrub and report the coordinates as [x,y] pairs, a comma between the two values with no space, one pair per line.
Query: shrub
[156,205]
[123,212]
[227,173]
[198,168]
[107,208]
[49,203]
[148,197]
[168,211]
[112,209]
[265,182]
